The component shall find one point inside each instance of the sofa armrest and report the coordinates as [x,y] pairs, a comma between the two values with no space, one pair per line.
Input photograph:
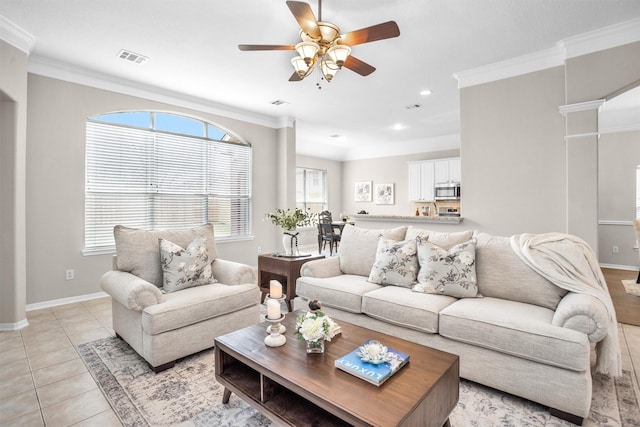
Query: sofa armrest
[325,267]
[130,290]
[233,273]
[582,313]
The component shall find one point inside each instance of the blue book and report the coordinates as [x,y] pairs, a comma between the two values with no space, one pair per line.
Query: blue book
[371,372]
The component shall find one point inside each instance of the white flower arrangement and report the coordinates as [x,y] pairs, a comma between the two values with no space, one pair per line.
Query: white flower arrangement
[315,326]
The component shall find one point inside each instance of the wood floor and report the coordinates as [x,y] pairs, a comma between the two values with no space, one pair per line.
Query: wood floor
[627,306]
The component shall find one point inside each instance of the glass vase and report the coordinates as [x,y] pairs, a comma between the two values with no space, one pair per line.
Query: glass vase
[315,346]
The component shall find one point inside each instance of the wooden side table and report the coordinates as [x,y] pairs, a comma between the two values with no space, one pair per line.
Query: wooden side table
[284,269]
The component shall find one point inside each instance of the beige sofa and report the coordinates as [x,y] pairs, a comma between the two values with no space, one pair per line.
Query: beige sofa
[525,335]
[165,326]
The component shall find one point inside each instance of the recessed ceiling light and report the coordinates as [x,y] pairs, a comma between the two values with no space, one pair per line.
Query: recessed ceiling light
[398,126]
[136,58]
[425,92]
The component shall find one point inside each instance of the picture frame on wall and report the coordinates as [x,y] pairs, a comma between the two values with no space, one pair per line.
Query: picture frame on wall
[384,194]
[363,191]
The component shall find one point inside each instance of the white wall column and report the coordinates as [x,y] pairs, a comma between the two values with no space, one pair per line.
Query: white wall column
[582,170]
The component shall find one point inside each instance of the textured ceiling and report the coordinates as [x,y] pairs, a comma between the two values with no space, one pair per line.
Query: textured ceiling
[192,49]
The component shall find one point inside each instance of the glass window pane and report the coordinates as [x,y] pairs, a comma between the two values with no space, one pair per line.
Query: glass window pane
[140,119]
[215,133]
[178,124]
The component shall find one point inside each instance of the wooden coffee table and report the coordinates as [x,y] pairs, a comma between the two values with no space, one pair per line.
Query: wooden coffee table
[294,388]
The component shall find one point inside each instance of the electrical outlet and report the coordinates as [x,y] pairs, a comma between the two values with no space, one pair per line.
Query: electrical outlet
[69,274]
[616,250]
[259,250]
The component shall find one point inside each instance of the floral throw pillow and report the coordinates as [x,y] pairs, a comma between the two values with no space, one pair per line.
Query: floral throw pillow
[443,272]
[184,268]
[396,263]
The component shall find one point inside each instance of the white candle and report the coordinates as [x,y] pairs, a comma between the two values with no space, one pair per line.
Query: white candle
[275,289]
[273,309]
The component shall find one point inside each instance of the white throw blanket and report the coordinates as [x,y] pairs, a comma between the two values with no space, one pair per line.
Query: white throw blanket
[568,262]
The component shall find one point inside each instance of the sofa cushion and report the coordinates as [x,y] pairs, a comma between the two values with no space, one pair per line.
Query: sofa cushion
[184,267]
[444,240]
[396,263]
[447,272]
[138,251]
[193,305]
[357,250]
[344,292]
[502,274]
[402,307]
[515,328]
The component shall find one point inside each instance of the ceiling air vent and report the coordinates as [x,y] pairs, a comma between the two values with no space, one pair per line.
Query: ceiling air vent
[413,106]
[136,58]
[278,102]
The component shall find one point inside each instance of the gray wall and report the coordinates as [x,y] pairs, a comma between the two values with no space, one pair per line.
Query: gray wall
[57,112]
[13,126]
[618,158]
[513,154]
[381,171]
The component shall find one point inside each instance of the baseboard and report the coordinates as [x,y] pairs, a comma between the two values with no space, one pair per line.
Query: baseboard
[14,326]
[63,301]
[620,267]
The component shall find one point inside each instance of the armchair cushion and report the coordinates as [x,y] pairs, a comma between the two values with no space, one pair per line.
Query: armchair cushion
[183,268]
[138,251]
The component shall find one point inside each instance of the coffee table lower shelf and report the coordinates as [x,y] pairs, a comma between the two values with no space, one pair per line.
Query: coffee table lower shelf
[263,393]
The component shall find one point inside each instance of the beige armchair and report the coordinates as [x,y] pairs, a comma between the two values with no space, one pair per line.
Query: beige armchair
[165,326]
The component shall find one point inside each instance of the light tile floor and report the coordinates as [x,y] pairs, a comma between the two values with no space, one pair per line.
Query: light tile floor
[44,382]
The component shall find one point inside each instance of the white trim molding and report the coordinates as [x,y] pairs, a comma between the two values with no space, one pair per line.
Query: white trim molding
[63,301]
[619,267]
[16,36]
[571,47]
[602,38]
[611,222]
[580,106]
[14,326]
[581,135]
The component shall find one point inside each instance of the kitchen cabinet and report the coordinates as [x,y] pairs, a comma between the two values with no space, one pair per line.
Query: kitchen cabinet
[447,170]
[421,181]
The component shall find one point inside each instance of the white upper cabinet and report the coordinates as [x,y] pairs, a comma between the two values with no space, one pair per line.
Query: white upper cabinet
[421,181]
[447,170]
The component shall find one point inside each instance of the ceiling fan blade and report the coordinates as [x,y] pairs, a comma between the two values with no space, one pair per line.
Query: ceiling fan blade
[358,66]
[295,77]
[386,30]
[247,47]
[305,17]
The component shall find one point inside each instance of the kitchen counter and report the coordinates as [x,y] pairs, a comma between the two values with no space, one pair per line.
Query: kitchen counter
[407,218]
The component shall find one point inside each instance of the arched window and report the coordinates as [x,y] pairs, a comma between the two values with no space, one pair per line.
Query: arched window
[156,170]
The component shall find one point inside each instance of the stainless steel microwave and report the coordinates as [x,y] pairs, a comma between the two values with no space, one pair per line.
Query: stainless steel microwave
[450,191]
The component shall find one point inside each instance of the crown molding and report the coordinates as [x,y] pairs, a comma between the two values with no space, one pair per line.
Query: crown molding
[601,39]
[619,128]
[48,67]
[16,36]
[580,106]
[593,41]
[286,122]
[549,58]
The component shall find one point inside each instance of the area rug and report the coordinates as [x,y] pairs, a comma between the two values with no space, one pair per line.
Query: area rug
[631,287]
[188,395]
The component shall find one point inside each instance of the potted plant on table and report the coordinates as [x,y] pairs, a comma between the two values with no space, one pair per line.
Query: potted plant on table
[289,220]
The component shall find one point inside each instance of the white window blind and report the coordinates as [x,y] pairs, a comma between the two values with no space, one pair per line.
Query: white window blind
[311,189]
[150,179]
[638,192]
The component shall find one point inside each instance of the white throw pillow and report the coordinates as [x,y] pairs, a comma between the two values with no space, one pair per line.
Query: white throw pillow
[184,268]
[396,263]
[447,272]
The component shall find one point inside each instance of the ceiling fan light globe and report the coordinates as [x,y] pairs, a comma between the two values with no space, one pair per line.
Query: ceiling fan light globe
[339,54]
[307,51]
[300,65]
[329,69]
[328,31]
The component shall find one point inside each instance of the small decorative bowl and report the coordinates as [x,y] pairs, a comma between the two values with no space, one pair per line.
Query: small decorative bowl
[374,352]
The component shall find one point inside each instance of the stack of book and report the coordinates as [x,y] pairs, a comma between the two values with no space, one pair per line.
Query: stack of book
[375,373]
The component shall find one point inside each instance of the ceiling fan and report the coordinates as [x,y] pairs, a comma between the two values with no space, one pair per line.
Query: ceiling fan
[322,44]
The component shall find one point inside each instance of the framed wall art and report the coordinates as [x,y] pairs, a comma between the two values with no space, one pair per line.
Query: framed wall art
[363,191]
[384,194]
